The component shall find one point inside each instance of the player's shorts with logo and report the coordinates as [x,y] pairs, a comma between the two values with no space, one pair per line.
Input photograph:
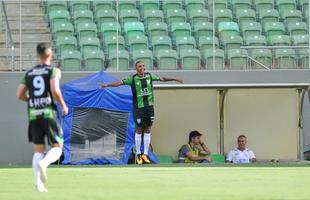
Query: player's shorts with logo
[144,117]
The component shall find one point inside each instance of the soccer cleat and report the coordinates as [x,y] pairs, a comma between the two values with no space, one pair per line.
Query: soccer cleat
[145,159]
[139,160]
[43,175]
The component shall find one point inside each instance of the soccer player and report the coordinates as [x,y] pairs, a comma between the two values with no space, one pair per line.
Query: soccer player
[40,88]
[141,85]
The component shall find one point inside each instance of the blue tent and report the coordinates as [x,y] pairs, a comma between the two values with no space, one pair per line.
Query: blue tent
[85,93]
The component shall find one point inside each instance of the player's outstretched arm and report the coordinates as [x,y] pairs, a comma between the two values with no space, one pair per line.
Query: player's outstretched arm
[166,79]
[56,92]
[114,84]
[21,92]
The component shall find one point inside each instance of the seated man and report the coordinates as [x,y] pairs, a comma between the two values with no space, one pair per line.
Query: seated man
[195,151]
[241,154]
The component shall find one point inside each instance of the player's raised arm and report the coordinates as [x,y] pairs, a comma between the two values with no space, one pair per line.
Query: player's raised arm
[56,92]
[166,79]
[114,84]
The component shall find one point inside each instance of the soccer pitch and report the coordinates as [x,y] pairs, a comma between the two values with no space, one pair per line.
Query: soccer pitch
[161,182]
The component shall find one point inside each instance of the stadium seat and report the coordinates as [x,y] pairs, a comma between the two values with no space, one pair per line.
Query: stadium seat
[257,40]
[82,16]
[222,15]
[190,59]
[251,29]
[289,16]
[148,5]
[240,5]
[218,158]
[303,4]
[165,159]
[55,5]
[166,59]
[94,60]
[206,43]
[274,28]
[300,40]
[263,5]
[200,15]
[192,5]
[303,57]
[279,40]
[171,4]
[79,5]
[245,15]
[105,16]
[157,29]
[133,29]
[228,29]
[231,42]
[218,4]
[283,5]
[119,60]
[63,30]
[297,28]
[187,42]
[176,15]
[71,61]
[89,44]
[271,15]
[203,29]
[58,16]
[114,43]
[214,59]
[86,30]
[237,58]
[102,5]
[109,30]
[161,43]
[286,58]
[261,56]
[126,4]
[145,55]
[139,42]
[180,29]
[129,16]
[151,16]
[67,43]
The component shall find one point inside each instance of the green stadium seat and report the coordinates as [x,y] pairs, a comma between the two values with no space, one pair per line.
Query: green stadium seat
[300,40]
[79,5]
[237,59]
[214,59]
[271,15]
[171,4]
[289,16]
[164,159]
[228,29]
[190,59]
[306,15]
[151,16]
[240,5]
[139,42]
[94,60]
[274,28]
[82,16]
[303,57]
[102,5]
[148,5]
[251,29]
[161,43]
[89,44]
[286,58]
[245,15]
[200,15]
[71,61]
[86,30]
[231,42]
[157,29]
[145,55]
[133,29]
[261,56]
[67,43]
[105,16]
[126,4]
[109,30]
[218,4]
[256,40]
[222,15]
[187,42]
[263,5]
[303,4]
[206,43]
[218,158]
[176,15]
[119,60]
[55,5]
[129,16]
[283,5]
[297,28]
[166,59]
[58,16]
[180,29]
[279,40]
[63,30]
[203,29]
[114,43]
[192,5]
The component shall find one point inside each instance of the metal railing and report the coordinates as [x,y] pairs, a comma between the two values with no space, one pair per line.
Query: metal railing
[8,41]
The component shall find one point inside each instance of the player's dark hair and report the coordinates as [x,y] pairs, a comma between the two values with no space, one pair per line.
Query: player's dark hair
[193,134]
[137,62]
[42,50]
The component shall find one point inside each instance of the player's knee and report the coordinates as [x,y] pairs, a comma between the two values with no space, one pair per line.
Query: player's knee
[139,130]
[147,129]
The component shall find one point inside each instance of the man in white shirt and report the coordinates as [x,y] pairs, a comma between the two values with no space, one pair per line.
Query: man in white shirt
[241,154]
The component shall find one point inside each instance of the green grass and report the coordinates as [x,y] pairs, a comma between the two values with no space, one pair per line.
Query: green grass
[160,182]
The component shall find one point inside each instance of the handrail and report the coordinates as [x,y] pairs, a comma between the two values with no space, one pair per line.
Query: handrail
[8,35]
